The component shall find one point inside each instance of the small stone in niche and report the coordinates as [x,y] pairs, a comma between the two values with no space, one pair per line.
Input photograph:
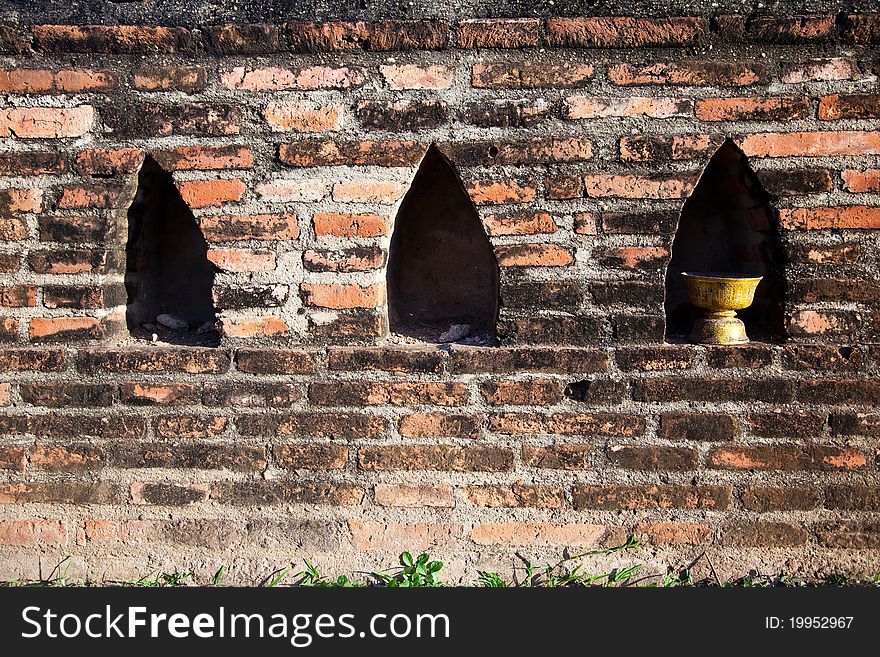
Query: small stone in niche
[172,322]
[455,332]
[207,327]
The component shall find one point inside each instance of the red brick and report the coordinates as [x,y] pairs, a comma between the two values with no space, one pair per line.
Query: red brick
[849,106]
[625,32]
[821,70]
[364,258]
[530,75]
[164,394]
[479,360]
[161,360]
[99,162]
[533,255]
[33,533]
[58,329]
[323,153]
[632,457]
[767,499]
[650,186]
[250,327]
[311,457]
[569,424]
[418,495]
[618,496]
[698,426]
[395,537]
[185,426]
[188,79]
[811,144]
[68,458]
[453,458]
[386,359]
[531,392]
[498,33]
[35,360]
[46,122]
[243,39]
[368,191]
[676,533]
[763,534]
[275,361]
[517,495]
[633,257]
[118,39]
[34,81]
[773,108]
[415,76]
[564,188]
[18,296]
[842,217]
[302,116]
[689,72]
[150,120]
[233,228]
[242,260]
[591,107]
[542,534]
[32,163]
[496,192]
[861,181]
[403,393]
[559,456]
[206,193]
[786,457]
[338,224]
[342,296]
[280,79]
[439,425]
[62,395]
[13,458]
[650,148]
[186,158]
[585,224]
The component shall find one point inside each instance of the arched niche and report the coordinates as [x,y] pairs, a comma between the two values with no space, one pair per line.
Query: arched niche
[728,225]
[442,269]
[168,275]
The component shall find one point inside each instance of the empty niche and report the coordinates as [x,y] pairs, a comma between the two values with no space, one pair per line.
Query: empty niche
[442,276]
[727,225]
[168,276]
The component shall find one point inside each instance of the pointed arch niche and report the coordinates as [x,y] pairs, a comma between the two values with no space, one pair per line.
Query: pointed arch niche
[442,269]
[167,268]
[727,225]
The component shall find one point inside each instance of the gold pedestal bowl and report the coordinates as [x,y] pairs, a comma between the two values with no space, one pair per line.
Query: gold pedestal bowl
[720,295]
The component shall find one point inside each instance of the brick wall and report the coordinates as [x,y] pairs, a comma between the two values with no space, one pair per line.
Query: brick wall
[309,432]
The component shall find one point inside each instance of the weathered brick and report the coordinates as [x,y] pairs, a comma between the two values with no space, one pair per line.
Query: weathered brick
[848,392]
[715,390]
[772,108]
[597,391]
[601,424]
[311,457]
[386,359]
[632,257]
[342,296]
[751,356]
[359,258]
[66,229]
[179,119]
[453,458]
[861,181]
[498,33]
[67,458]
[630,293]
[849,534]
[820,70]
[530,75]
[62,395]
[648,185]
[249,296]
[188,455]
[250,493]
[162,360]
[533,255]
[439,425]
[281,79]
[625,32]
[618,496]
[498,192]
[368,191]
[796,182]
[853,498]
[242,260]
[580,536]
[631,457]
[810,144]
[343,426]
[36,360]
[698,426]
[790,29]
[168,494]
[100,425]
[13,458]
[62,329]
[35,81]
[324,153]
[402,115]
[786,457]
[188,79]
[849,106]
[302,116]
[371,535]
[189,426]
[637,223]
[783,424]
[94,196]
[275,361]
[232,228]
[591,107]
[419,495]
[765,499]
[259,395]
[46,122]
[477,360]
[112,39]
[32,163]
[555,330]
[346,327]
[564,188]
[402,393]
[67,492]
[763,534]
[559,456]
[689,72]
[517,495]
[415,76]
[207,193]
[34,533]
[531,392]
[342,224]
[242,39]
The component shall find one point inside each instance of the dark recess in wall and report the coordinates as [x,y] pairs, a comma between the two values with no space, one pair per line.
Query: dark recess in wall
[442,270]
[167,269]
[727,225]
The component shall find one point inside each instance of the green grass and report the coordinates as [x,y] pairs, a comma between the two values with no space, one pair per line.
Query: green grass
[423,572]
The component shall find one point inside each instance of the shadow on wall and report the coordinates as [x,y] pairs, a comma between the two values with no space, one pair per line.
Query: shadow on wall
[168,278]
[442,270]
[727,225]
